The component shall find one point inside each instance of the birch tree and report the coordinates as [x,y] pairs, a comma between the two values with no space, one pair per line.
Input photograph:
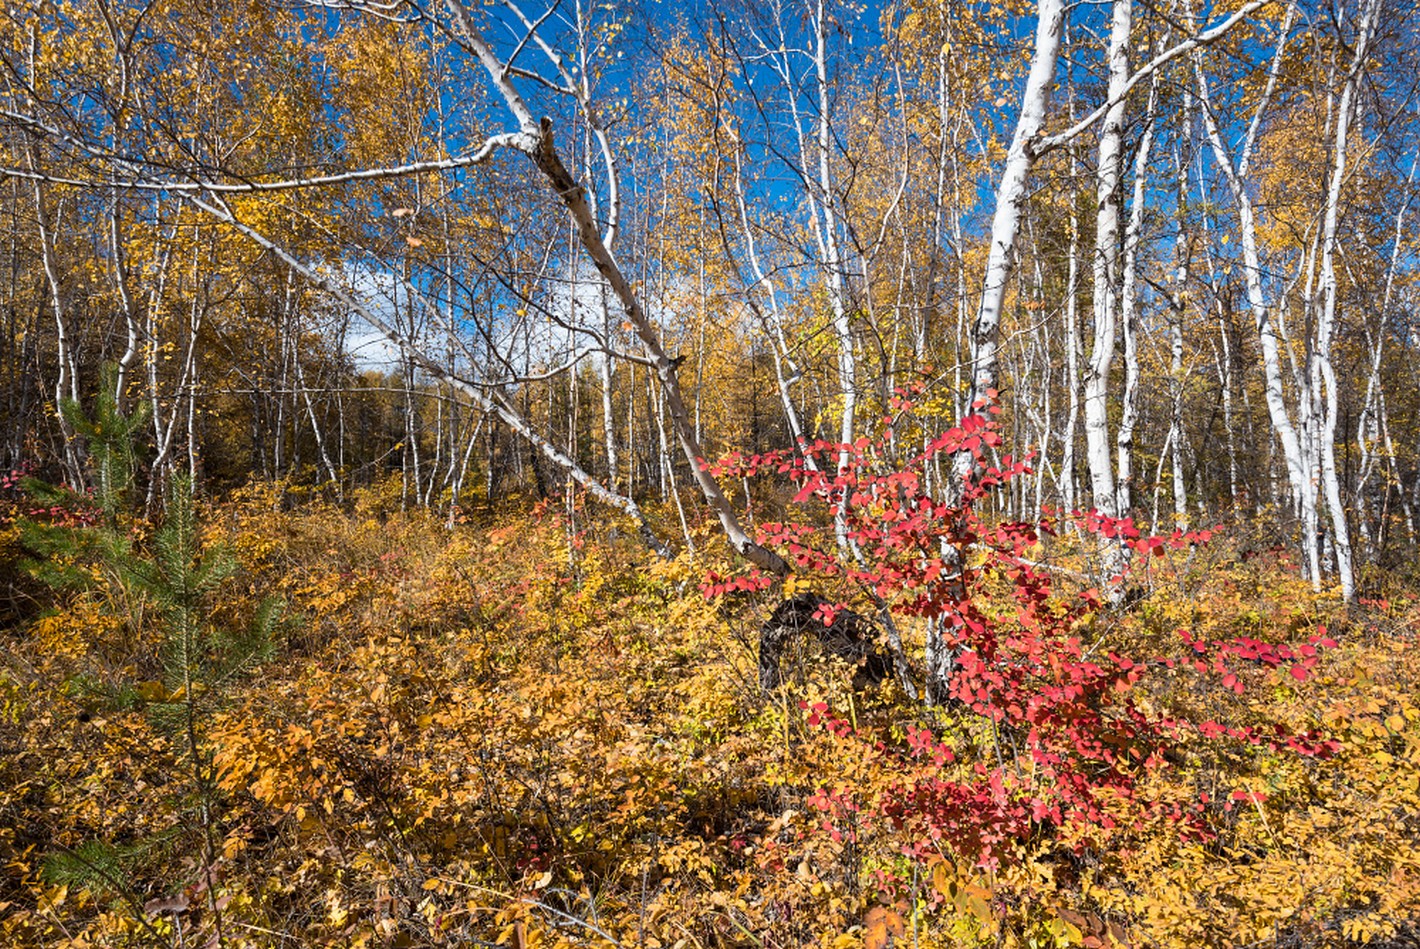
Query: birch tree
[1011,196]
[1326,397]
[1106,277]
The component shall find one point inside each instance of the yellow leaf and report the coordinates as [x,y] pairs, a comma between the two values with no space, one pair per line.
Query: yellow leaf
[152,691]
[53,898]
[942,881]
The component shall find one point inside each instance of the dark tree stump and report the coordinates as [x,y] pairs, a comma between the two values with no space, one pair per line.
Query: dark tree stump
[850,636]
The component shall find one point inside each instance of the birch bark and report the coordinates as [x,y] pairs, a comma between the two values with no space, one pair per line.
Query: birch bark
[1234,174]
[1324,373]
[1010,199]
[1129,308]
[1106,271]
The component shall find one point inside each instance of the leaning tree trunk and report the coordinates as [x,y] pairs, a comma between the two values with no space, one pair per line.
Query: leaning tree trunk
[534,140]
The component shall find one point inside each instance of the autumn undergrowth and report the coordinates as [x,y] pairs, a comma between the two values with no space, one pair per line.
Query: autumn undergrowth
[525,730]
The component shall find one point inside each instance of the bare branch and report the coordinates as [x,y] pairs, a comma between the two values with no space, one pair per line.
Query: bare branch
[512,140]
[1049,143]
[532,29]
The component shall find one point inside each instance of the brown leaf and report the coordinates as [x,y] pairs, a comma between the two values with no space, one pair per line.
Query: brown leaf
[166,904]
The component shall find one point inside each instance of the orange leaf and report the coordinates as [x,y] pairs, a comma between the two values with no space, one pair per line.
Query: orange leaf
[880,924]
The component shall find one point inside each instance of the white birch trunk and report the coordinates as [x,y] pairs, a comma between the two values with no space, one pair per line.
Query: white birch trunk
[1176,308]
[1277,412]
[66,383]
[1005,225]
[1069,498]
[1129,310]
[833,257]
[1106,278]
[1106,295]
[1011,196]
[1325,372]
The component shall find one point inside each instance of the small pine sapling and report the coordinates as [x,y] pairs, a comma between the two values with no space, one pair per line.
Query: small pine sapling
[92,542]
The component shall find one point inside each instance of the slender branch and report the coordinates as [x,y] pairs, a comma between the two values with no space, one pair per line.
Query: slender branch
[1049,143]
[532,29]
[511,140]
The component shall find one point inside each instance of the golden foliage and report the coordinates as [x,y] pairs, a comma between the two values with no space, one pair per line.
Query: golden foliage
[524,733]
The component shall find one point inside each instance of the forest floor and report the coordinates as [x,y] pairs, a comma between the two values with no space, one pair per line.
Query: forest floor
[531,733]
